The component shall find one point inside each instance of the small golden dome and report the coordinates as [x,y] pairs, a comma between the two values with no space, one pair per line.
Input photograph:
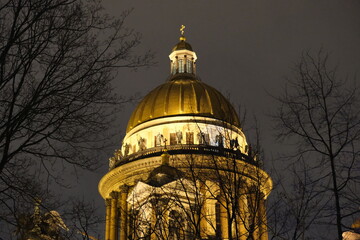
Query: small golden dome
[183,96]
[182,45]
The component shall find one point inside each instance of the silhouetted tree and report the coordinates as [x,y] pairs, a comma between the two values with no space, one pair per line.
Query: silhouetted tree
[83,221]
[320,111]
[57,61]
[296,205]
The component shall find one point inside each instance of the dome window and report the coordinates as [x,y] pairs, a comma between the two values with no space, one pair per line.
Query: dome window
[204,138]
[189,138]
[188,66]
[181,66]
[175,138]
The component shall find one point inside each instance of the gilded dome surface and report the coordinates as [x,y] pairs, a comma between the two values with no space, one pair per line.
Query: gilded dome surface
[183,97]
[182,45]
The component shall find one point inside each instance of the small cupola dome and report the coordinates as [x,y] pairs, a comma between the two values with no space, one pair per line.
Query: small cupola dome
[182,45]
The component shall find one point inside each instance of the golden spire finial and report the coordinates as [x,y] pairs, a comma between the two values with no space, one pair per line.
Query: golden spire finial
[182,38]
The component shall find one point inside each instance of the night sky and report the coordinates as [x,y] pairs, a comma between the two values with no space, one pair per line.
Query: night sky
[245,50]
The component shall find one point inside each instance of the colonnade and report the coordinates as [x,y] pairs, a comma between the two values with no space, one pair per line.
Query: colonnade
[213,220]
[239,228]
[116,215]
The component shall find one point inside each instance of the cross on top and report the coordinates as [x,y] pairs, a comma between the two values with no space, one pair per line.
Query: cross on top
[182,30]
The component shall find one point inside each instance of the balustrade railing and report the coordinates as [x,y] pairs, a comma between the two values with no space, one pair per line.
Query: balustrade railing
[187,149]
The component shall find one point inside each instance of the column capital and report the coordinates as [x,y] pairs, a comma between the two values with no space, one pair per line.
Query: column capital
[114,195]
[124,188]
[108,202]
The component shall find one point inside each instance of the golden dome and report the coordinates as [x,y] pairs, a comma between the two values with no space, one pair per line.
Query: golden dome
[183,96]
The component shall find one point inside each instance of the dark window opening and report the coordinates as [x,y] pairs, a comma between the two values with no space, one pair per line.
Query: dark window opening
[203,138]
[189,138]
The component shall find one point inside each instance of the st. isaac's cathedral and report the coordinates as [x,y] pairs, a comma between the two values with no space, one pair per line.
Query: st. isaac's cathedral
[184,169]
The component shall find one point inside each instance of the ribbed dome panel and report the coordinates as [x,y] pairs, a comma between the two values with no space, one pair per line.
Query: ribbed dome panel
[183,97]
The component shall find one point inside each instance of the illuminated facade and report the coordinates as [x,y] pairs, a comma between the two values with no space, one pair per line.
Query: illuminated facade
[184,169]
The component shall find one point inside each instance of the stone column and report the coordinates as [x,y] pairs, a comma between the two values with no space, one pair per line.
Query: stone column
[114,215]
[107,218]
[242,216]
[208,211]
[263,221]
[131,228]
[211,215]
[204,211]
[123,212]
[253,203]
[223,218]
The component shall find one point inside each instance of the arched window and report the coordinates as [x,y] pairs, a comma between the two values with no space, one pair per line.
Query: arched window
[176,225]
[188,66]
[181,66]
[141,225]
